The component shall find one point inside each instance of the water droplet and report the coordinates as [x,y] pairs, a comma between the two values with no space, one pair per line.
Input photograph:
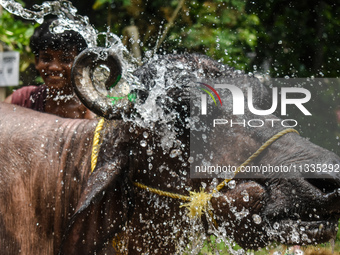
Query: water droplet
[145,134]
[149,152]
[232,184]
[245,196]
[276,225]
[257,219]
[174,153]
[191,160]
[295,237]
[304,237]
[143,143]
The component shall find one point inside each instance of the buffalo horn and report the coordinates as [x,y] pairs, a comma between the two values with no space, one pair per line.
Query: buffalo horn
[95,94]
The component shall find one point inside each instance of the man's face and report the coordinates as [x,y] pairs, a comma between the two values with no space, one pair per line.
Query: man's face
[55,66]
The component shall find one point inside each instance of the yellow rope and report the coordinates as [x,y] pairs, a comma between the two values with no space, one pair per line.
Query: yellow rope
[161,192]
[256,154]
[196,201]
[95,144]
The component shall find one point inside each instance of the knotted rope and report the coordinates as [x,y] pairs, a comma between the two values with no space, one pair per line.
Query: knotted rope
[196,201]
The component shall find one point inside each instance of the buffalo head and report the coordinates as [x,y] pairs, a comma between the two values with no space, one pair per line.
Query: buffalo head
[300,208]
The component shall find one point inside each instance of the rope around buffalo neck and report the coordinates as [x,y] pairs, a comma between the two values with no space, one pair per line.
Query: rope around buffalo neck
[196,201]
[95,144]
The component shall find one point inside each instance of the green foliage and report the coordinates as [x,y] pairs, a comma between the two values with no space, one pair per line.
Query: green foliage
[15,34]
[298,38]
[217,246]
[98,4]
[219,29]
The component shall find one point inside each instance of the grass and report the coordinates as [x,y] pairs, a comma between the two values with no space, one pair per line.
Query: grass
[321,249]
[213,247]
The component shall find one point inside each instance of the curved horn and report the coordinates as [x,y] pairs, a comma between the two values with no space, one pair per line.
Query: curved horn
[107,99]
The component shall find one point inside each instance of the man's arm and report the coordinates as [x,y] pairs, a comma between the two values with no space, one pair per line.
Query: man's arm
[8,99]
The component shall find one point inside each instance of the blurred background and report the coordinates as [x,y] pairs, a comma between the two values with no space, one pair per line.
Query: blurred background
[278,38]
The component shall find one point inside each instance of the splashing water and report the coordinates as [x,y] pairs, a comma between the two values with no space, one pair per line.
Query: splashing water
[152,110]
[148,112]
[68,19]
[66,13]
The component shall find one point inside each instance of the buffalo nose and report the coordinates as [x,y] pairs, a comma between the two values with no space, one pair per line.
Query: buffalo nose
[325,176]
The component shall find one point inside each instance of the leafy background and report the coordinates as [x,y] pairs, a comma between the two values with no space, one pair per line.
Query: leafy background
[278,38]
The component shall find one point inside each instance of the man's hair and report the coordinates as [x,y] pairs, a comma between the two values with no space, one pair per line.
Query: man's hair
[43,38]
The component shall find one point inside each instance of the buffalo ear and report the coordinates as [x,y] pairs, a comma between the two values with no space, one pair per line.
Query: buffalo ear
[107,98]
[101,211]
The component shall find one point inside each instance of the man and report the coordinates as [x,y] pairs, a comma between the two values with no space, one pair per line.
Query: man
[54,56]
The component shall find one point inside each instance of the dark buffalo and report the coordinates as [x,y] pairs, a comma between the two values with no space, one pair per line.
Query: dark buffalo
[52,204]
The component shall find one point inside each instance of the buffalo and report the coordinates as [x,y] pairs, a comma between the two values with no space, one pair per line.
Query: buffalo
[51,202]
